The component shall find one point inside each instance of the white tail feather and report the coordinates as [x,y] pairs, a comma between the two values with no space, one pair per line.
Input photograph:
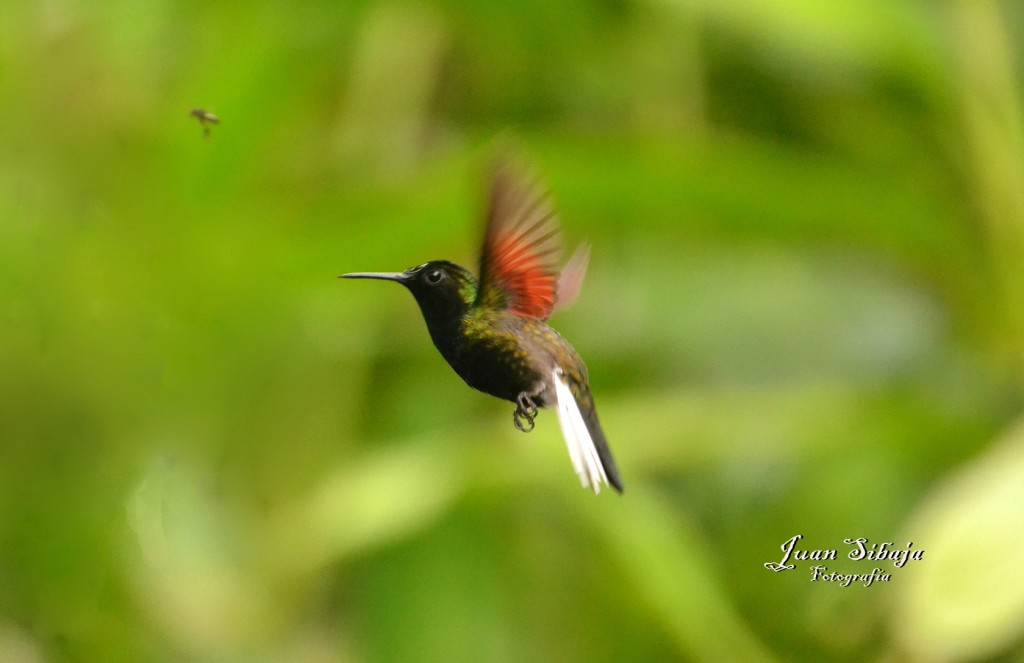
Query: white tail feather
[577,438]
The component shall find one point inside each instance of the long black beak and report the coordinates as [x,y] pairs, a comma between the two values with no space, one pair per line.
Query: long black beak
[383,276]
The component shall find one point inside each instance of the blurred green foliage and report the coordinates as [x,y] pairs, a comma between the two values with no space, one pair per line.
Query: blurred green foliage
[804,315]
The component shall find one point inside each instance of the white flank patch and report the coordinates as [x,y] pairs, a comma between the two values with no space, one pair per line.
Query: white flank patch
[577,438]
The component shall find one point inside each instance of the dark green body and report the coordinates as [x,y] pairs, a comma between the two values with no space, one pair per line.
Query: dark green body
[493,350]
[504,355]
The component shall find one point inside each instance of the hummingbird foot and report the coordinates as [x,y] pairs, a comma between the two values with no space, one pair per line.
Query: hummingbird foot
[525,412]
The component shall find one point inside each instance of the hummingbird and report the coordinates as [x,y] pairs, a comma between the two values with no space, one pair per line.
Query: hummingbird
[492,329]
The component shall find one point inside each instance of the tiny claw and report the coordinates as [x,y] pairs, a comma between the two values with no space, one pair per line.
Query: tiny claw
[526,411]
[519,417]
[526,405]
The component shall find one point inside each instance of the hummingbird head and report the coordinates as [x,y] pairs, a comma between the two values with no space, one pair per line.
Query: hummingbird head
[442,289]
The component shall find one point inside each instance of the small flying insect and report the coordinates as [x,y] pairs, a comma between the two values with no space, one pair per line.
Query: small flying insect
[206,118]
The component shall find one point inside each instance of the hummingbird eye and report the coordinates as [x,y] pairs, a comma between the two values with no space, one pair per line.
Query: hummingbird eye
[434,276]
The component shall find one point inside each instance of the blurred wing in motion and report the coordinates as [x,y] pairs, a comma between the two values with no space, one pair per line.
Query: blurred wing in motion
[519,261]
[570,281]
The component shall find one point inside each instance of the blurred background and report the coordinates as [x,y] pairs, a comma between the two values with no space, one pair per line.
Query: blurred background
[804,315]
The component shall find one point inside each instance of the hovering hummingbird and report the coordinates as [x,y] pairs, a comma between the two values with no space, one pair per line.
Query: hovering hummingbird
[492,331]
